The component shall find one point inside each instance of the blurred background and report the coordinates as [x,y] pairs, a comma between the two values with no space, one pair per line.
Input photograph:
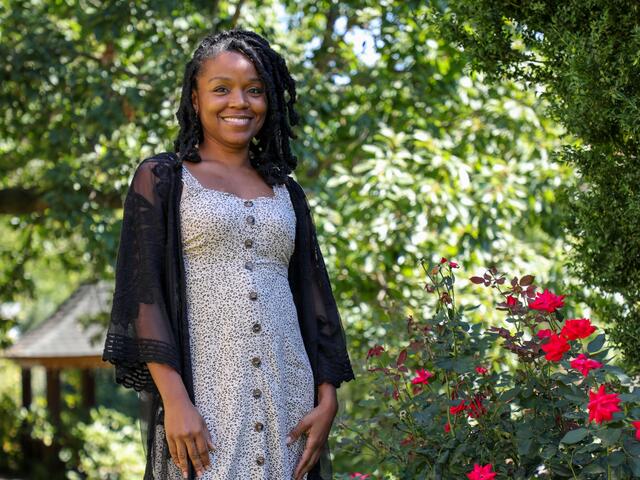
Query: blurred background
[481,131]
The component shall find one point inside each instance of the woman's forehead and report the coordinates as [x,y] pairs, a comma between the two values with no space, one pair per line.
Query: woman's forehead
[229,65]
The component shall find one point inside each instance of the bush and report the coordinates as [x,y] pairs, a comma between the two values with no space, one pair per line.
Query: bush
[550,405]
[106,447]
[111,448]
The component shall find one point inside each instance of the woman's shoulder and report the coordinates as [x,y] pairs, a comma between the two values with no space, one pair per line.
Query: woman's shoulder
[162,158]
[159,165]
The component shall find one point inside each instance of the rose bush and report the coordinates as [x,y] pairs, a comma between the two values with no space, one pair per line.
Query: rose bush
[551,405]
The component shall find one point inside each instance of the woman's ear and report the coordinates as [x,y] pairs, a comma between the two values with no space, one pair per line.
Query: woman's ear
[194,101]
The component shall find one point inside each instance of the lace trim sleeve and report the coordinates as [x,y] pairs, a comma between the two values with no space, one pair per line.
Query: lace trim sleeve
[139,330]
[334,365]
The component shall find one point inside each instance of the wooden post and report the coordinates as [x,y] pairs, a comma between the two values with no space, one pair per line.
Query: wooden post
[26,387]
[53,394]
[88,388]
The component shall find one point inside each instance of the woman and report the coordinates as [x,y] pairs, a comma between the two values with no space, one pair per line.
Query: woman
[223,316]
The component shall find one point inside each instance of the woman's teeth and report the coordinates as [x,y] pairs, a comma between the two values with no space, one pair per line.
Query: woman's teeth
[237,120]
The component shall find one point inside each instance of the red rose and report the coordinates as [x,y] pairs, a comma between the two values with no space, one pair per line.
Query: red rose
[476,409]
[546,333]
[584,364]
[602,405]
[458,408]
[481,473]
[577,328]
[555,348]
[422,377]
[547,301]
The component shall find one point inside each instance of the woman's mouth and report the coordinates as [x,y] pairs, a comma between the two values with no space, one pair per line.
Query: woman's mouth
[237,120]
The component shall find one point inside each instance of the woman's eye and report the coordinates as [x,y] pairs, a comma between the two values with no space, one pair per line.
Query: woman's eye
[254,90]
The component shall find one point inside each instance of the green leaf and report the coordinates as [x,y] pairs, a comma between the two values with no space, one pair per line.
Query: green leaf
[609,436]
[596,344]
[594,468]
[442,458]
[615,459]
[524,445]
[634,463]
[574,436]
[509,395]
[548,452]
[632,446]
[575,398]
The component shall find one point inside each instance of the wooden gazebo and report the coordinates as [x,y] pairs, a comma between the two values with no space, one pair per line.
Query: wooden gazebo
[62,341]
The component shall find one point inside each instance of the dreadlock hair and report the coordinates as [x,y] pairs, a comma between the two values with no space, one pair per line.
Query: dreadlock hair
[271,155]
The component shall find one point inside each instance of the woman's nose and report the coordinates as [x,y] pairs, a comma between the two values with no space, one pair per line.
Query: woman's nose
[238,99]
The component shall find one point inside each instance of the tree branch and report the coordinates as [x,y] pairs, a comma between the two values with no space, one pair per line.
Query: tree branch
[20,201]
[236,14]
[322,57]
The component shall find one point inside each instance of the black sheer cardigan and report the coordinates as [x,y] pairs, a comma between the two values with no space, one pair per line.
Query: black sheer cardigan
[148,316]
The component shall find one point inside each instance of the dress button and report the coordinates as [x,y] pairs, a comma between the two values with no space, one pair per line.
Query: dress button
[251,220]
[259,426]
[248,243]
[248,203]
[253,295]
[248,266]
[260,460]
[257,393]
[256,361]
[257,327]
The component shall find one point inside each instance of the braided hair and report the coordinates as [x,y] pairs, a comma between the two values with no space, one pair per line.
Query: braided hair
[271,154]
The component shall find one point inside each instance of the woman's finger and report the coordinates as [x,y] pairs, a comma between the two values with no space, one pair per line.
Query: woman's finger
[173,451]
[202,449]
[303,464]
[194,455]
[182,458]
[209,439]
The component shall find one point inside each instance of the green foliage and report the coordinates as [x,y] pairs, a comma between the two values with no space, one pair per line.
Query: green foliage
[399,154]
[107,446]
[450,405]
[111,448]
[584,56]
[12,456]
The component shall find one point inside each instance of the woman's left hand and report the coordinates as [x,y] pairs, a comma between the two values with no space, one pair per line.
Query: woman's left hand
[317,425]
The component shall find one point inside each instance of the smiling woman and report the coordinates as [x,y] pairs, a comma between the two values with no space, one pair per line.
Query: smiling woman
[233,113]
[223,314]
[231,102]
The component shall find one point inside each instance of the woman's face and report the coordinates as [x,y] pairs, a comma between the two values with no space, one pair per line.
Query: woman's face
[231,100]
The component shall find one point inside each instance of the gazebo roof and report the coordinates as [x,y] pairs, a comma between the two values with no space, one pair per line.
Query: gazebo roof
[61,341]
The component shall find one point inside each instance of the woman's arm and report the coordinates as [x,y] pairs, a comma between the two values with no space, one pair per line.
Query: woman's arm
[186,431]
[169,383]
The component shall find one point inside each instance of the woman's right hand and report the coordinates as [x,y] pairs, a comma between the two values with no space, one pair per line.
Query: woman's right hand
[187,434]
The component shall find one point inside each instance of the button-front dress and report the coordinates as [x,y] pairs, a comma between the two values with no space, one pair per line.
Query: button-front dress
[252,377]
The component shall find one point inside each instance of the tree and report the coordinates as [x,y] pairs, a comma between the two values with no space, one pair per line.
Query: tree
[585,54]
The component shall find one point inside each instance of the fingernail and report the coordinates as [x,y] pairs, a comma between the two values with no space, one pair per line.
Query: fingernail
[184,475]
[289,439]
